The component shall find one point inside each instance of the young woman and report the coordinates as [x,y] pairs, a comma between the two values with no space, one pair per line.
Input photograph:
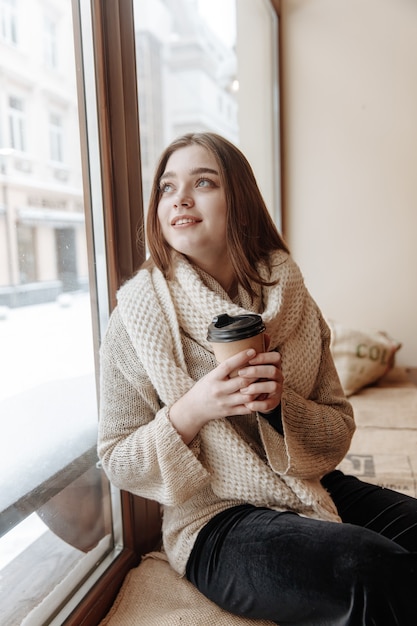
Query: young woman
[254,512]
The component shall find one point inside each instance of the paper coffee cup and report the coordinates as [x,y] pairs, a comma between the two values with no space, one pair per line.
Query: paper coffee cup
[229,335]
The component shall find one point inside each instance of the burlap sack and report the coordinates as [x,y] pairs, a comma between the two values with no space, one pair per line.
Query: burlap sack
[361,356]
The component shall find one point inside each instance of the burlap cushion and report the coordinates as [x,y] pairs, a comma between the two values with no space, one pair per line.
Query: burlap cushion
[154,595]
[361,356]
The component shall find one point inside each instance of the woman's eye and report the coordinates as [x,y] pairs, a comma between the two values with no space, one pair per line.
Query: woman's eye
[165,187]
[204,182]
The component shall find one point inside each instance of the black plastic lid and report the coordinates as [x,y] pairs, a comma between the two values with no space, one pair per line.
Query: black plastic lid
[226,328]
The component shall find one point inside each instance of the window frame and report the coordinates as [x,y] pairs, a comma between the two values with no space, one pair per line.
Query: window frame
[119,140]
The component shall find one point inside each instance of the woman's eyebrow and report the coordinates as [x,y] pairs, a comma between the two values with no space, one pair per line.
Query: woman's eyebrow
[204,170]
[194,171]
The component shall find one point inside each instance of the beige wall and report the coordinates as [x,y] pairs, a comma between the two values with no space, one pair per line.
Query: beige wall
[350,145]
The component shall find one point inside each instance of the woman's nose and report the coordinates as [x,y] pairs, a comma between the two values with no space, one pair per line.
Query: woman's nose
[183,200]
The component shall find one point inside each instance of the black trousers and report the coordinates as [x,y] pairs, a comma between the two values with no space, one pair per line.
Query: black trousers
[290,569]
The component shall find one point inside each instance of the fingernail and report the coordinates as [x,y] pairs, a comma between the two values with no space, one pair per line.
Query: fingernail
[251,352]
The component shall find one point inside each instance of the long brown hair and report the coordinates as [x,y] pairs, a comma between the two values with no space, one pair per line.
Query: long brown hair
[251,233]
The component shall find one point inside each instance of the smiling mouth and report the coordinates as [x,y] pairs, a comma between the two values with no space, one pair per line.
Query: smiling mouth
[185,220]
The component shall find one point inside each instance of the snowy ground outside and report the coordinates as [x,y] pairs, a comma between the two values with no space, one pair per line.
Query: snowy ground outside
[45,342]
[48,410]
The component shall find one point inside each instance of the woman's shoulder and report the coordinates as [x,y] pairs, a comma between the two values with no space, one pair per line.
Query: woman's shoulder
[282,263]
[139,286]
[115,338]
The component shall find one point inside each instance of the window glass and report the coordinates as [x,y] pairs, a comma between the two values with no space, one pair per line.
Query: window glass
[8,21]
[179,53]
[55,504]
[209,65]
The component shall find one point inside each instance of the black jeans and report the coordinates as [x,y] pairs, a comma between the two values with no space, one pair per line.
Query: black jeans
[290,569]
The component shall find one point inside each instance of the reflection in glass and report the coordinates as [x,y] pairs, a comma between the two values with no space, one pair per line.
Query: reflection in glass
[210,65]
[55,516]
[187,73]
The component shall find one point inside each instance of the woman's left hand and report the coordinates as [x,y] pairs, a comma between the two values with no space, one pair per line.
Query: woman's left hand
[264,393]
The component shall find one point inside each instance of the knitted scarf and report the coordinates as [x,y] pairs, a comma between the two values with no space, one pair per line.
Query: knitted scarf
[156,312]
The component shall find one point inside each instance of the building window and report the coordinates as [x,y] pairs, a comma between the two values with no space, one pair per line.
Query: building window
[56,138]
[17,124]
[50,43]
[8,17]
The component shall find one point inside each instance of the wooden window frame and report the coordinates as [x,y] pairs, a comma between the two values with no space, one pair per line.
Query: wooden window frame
[118,122]
[119,139]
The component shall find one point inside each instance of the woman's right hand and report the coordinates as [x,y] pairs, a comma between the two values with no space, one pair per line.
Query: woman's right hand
[214,396]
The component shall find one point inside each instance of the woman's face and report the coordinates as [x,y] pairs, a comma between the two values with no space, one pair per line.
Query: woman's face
[192,207]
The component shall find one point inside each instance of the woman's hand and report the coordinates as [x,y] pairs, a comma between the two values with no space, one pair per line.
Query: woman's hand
[264,393]
[218,394]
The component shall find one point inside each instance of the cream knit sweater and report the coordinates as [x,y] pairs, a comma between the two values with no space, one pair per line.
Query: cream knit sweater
[156,347]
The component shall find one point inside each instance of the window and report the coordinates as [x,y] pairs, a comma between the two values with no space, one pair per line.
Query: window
[57,509]
[179,52]
[8,17]
[50,43]
[55,137]
[17,123]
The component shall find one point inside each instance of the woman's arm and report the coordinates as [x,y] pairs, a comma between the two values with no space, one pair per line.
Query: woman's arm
[217,394]
[139,448]
[317,430]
